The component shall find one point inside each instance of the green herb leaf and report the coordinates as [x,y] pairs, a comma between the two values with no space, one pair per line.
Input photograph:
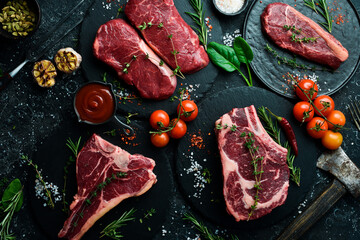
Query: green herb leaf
[223,56]
[13,188]
[243,50]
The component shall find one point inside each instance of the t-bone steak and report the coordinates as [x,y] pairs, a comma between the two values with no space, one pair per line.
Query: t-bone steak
[325,49]
[119,45]
[168,33]
[106,175]
[239,190]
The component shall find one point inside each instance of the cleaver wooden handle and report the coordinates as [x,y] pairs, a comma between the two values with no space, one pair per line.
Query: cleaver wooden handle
[314,212]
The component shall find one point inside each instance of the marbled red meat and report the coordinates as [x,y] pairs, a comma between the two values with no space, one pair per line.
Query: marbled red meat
[117,43]
[325,50]
[191,57]
[238,189]
[101,162]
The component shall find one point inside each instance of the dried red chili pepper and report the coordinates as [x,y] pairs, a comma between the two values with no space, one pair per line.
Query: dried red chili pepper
[289,132]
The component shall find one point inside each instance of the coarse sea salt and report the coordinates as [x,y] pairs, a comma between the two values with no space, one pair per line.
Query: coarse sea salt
[229,6]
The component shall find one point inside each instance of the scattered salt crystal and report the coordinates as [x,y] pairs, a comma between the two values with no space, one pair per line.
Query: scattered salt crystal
[228,38]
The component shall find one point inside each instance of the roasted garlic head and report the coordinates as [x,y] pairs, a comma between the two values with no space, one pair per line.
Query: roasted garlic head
[44,73]
[67,60]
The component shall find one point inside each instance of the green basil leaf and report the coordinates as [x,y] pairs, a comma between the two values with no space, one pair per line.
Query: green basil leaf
[243,50]
[223,56]
[13,188]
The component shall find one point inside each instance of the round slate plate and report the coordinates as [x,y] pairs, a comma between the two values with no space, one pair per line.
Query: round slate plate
[209,200]
[51,158]
[94,69]
[270,72]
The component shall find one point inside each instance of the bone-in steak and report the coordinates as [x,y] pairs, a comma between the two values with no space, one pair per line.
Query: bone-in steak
[325,50]
[106,175]
[120,46]
[167,23]
[239,191]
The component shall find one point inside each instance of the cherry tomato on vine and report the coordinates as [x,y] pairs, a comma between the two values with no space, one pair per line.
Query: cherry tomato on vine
[303,111]
[325,104]
[332,140]
[309,87]
[160,140]
[179,130]
[188,111]
[158,119]
[317,127]
[336,117]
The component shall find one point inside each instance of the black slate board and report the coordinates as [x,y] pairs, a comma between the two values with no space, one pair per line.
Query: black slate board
[51,158]
[210,201]
[94,69]
[265,65]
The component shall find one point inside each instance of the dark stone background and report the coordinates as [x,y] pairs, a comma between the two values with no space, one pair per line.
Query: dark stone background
[29,114]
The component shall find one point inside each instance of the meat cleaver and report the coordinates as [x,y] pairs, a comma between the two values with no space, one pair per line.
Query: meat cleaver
[347,180]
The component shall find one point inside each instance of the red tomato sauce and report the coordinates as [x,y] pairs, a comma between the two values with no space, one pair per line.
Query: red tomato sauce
[94,103]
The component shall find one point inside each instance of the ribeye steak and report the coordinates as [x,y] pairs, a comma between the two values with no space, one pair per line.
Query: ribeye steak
[325,50]
[119,45]
[239,191]
[166,21]
[106,175]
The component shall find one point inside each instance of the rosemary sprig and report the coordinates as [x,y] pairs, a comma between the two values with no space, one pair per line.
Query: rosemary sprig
[199,18]
[320,6]
[111,230]
[201,227]
[9,212]
[310,4]
[74,148]
[258,170]
[274,131]
[292,62]
[40,178]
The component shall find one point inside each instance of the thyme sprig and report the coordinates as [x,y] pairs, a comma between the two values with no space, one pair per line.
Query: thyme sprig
[199,18]
[174,122]
[9,212]
[292,62]
[274,131]
[94,193]
[112,231]
[74,148]
[40,178]
[258,164]
[148,214]
[174,52]
[128,121]
[320,6]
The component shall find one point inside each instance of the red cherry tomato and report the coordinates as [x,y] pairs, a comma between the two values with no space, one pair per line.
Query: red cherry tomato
[160,140]
[303,111]
[159,118]
[325,104]
[179,130]
[336,117]
[317,127]
[309,87]
[189,110]
[332,140]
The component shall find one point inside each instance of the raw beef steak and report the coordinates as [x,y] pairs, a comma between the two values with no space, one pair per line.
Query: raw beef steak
[325,50]
[239,191]
[106,175]
[119,45]
[166,21]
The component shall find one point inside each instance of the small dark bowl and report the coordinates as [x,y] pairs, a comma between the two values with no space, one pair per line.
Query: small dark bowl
[234,13]
[34,7]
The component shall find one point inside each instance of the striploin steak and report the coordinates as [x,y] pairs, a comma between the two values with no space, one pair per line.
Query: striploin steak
[106,175]
[324,49]
[119,45]
[168,34]
[239,191]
